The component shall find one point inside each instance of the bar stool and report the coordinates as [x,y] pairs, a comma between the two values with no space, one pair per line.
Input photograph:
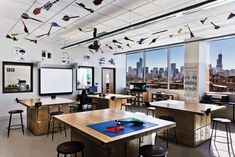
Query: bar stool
[52,120]
[72,108]
[150,109]
[127,106]
[70,147]
[226,123]
[166,132]
[15,126]
[152,151]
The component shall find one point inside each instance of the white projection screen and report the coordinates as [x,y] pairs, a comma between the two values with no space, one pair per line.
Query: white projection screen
[55,81]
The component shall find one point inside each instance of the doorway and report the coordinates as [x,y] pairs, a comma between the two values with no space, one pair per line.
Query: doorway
[108,80]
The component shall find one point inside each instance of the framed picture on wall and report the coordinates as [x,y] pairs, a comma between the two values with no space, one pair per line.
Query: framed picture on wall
[85,77]
[17,77]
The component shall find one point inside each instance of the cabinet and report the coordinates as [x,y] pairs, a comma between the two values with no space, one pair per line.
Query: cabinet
[140,98]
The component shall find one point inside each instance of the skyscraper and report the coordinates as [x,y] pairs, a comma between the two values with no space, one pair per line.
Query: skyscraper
[139,67]
[219,65]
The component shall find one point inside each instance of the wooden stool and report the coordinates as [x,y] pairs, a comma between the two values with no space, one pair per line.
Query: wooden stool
[51,120]
[152,151]
[15,126]
[226,123]
[70,147]
[127,106]
[166,132]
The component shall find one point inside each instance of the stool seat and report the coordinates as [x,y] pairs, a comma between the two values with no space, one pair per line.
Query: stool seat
[151,108]
[127,106]
[70,147]
[222,120]
[56,113]
[152,151]
[169,118]
[15,111]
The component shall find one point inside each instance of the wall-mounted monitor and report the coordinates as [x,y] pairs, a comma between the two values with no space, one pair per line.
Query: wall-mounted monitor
[55,81]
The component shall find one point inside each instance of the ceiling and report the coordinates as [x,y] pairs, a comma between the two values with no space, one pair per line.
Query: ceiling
[111,15]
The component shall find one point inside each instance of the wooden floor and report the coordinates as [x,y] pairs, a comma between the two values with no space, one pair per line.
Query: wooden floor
[29,145]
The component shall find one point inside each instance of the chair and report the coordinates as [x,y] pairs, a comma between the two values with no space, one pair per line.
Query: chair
[15,126]
[166,132]
[152,151]
[52,120]
[69,148]
[150,109]
[226,123]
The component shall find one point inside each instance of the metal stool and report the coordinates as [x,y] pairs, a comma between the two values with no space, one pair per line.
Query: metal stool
[127,106]
[152,151]
[72,108]
[51,119]
[226,123]
[70,147]
[166,132]
[150,108]
[15,126]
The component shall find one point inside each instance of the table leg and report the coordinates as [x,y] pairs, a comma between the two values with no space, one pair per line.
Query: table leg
[233,114]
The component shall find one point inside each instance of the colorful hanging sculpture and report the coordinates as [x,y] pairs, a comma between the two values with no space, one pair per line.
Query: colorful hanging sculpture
[153,40]
[25,27]
[110,47]
[191,33]
[26,16]
[14,34]
[203,20]
[97,2]
[84,7]
[215,26]
[231,15]
[128,45]
[126,38]
[67,18]
[95,46]
[141,40]
[9,37]
[32,40]
[116,42]
[46,6]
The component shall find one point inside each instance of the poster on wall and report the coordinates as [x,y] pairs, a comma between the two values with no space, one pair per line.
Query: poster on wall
[19,54]
[86,60]
[111,62]
[46,56]
[101,61]
[66,58]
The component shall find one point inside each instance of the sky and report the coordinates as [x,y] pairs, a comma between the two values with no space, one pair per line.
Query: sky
[227,48]
[158,58]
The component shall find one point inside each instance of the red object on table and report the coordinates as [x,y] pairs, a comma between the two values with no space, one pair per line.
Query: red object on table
[114,129]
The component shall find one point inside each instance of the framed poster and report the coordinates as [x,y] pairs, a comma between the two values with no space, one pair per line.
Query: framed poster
[17,77]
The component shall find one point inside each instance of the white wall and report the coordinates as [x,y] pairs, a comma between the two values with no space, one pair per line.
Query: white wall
[34,54]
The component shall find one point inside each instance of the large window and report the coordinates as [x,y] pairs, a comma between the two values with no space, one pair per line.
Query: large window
[156,70]
[160,68]
[176,75]
[222,65]
[135,63]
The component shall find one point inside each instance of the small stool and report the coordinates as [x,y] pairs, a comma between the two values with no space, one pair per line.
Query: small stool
[226,123]
[15,126]
[72,108]
[152,151]
[70,147]
[151,109]
[127,106]
[166,132]
[51,119]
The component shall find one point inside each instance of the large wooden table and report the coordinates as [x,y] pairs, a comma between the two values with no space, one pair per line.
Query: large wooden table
[37,117]
[107,101]
[193,124]
[101,145]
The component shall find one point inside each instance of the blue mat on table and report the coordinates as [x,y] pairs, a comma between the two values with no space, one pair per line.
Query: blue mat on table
[128,128]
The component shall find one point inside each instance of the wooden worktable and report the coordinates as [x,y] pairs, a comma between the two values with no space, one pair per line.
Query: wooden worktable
[107,102]
[193,124]
[98,144]
[37,117]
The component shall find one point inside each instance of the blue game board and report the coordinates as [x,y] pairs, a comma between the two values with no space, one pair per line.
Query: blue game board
[128,128]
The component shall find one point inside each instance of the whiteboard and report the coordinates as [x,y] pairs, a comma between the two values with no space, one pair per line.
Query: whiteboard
[55,81]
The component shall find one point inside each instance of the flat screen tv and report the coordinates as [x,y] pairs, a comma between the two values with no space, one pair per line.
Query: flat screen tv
[54,81]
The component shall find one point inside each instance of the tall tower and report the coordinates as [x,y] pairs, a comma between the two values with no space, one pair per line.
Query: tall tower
[139,67]
[219,65]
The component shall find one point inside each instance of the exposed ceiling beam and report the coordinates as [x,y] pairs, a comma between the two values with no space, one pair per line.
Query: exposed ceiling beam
[133,26]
